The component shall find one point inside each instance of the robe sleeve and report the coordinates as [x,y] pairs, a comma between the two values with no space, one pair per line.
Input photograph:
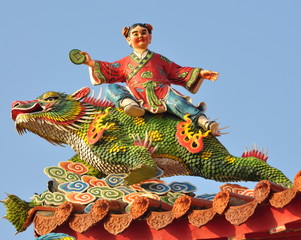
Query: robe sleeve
[106,72]
[187,77]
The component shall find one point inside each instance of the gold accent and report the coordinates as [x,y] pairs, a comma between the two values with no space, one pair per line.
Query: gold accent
[117,148]
[230,159]
[206,155]
[109,138]
[50,94]
[155,136]
[139,121]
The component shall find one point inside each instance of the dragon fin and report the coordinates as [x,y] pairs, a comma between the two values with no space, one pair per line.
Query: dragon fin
[81,93]
[254,152]
[147,142]
[97,101]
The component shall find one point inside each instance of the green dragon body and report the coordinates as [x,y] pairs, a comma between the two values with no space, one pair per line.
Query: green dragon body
[107,139]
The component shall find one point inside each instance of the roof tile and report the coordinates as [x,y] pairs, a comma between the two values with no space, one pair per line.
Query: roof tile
[117,223]
[200,218]
[159,220]
[275,205]
[237,215]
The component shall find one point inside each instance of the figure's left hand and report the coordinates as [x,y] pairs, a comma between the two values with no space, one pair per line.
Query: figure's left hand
[88,61]
[212,76]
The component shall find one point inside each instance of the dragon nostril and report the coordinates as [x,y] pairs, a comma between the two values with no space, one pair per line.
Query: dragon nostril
[16,104]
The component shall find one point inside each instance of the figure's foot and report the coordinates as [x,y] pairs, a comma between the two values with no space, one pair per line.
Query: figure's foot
[213,126]
[202,106]
[208,125]
[132,108]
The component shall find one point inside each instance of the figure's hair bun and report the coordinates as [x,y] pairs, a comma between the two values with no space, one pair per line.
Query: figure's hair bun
[126,30]
[148,26]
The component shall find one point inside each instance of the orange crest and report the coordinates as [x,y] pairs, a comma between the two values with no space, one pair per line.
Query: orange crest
[97,127]
[191,141]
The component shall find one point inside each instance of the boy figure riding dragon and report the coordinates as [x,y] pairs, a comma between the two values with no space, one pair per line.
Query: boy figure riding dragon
[148,77]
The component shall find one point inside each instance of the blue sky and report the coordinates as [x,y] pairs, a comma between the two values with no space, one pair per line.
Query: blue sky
[254,45]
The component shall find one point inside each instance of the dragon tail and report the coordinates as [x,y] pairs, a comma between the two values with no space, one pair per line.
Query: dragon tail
[256,169]
[16,211]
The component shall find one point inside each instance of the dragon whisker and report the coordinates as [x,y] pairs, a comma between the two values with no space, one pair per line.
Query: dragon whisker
[99,94]
[92,93]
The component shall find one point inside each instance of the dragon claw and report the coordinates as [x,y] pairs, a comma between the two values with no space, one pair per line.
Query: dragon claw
[147,142]
[140,174]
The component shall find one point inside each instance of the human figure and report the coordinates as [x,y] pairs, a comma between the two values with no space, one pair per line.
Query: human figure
[148,77]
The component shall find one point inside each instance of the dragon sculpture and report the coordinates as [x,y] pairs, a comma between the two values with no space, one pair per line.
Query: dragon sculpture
[110,141]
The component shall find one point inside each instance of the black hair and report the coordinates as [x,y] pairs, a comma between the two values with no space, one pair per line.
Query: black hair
[144,25]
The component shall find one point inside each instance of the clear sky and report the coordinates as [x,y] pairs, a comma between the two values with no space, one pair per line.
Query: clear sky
[255,45]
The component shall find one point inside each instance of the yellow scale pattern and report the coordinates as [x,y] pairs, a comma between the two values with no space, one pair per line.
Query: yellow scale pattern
[139,121]
[206,155]
[117,148]
[230,159]
[109,138]
[155,136]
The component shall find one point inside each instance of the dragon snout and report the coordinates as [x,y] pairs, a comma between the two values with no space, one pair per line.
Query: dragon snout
[19,107]
[16,104]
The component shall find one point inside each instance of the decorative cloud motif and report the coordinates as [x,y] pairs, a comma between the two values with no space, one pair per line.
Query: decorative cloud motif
[77,186]
[50,198]
[183,187]
[82,198]
[74,167]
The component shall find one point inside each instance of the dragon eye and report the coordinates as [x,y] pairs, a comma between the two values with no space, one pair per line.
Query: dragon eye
[50,96]
[50,99]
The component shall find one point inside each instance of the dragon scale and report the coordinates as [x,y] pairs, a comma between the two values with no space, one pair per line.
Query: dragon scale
[112,142]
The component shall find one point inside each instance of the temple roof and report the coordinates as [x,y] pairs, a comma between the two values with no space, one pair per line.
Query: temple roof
[268,211]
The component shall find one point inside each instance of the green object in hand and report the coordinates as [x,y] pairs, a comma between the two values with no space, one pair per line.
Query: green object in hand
[76,56]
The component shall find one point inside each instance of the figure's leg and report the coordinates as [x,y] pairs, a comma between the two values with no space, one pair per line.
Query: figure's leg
[177,105]
[208,125]
[122,98]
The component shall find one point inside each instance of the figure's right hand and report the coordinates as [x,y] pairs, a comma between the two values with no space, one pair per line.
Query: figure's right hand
[88,61]
[210,75]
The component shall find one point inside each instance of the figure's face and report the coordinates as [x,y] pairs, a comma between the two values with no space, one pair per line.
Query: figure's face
[139,38]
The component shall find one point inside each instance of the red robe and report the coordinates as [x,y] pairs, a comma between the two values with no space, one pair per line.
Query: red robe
[148,79]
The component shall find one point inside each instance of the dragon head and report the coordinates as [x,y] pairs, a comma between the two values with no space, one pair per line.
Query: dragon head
[51,114]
